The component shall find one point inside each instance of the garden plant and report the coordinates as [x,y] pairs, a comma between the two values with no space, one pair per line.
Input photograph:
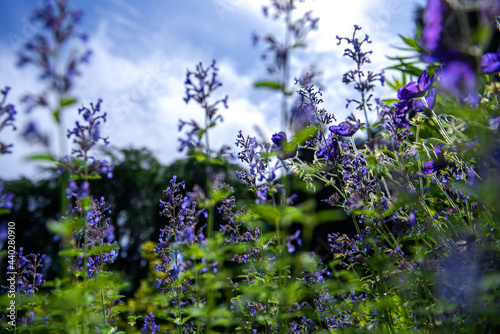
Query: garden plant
[404,192]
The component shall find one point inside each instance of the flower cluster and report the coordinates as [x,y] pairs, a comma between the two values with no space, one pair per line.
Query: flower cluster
[89,135]
[86,137]
[363,82]
[298,29]
[59,25]
[199,86]
[7,113]
[28,272]
[150,327]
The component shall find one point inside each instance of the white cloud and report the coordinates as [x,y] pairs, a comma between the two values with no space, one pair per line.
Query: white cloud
[143,94]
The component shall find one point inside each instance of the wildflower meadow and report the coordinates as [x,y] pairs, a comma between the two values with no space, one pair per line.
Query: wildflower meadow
[385,221]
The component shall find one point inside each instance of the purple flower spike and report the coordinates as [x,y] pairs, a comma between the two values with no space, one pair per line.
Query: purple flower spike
[150,327]
[459,79]
[490,62]
[433,24]
[416,89]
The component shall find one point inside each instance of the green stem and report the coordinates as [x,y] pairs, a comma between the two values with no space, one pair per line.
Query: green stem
[103,307]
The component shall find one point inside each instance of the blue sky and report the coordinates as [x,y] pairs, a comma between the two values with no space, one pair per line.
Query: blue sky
[142,48]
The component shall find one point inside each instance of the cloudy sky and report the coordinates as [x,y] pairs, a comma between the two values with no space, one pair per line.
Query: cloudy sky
[142,48]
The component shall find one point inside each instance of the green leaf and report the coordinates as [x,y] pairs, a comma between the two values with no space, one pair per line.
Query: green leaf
[270,84]
[103,249]
[42,157]
[198,155]
[70,253]
[55,113]
[77,177]
[219,194]
[86,203]
[67,101]
[410,42]
[64,228]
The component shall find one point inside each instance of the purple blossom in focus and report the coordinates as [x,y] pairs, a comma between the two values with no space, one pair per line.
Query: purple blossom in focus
[347,128]
[416,89]
[28,277]
[490,62]
[199,86]
[401,113]
[88,135]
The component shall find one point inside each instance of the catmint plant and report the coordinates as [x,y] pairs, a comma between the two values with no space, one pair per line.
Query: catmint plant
[199,86]
[58,66]
[364,82]
[7,118]
[28,280]
[280,52]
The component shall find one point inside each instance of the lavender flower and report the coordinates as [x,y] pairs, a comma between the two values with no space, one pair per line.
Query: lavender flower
[58,24]
[89,135]
[363,82]
[433,24]
[416,89]
[6,199]
[256,155]
[295,238]
[401,113]
[199,86]
[299,29]
[490,62]
[347,128]
[7,113]
[98,232]
[150,327]
[311,99]
[28,269]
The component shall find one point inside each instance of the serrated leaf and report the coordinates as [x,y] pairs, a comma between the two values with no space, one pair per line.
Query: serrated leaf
[269,84]
[103,249]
